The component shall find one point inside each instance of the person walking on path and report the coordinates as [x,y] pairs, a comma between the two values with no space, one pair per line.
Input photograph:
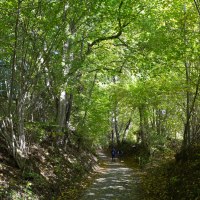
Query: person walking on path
[113,154]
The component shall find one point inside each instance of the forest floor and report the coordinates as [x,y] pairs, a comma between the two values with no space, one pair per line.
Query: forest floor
[166,179]
[115,181]
[50,173]
[72,174]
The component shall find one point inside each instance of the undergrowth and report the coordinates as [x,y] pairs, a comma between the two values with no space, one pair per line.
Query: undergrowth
[172,180]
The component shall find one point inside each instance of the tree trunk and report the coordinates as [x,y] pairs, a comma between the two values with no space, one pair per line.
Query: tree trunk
[126,130]
[67,120]
[90,98]
[62,109]
[117,133]
[14,58]
[65,102]
[69,108]
[112,137]
[21,137]
[143,125]
[7,132]
[186,139]
[158,121]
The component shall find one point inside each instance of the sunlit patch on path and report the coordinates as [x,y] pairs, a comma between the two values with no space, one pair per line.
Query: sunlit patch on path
[116,182]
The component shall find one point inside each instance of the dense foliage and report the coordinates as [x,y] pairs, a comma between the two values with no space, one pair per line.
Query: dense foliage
[89,73]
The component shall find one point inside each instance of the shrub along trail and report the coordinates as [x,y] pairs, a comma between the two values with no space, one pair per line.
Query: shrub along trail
[116,181]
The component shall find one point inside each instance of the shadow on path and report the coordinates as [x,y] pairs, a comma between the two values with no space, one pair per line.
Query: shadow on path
[115,182]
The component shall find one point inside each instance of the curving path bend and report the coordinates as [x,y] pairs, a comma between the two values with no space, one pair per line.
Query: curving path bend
[115,182]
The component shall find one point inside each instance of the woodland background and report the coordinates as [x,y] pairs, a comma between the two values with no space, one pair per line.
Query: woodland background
[79,75]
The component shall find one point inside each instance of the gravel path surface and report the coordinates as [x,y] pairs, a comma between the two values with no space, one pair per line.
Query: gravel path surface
[115,182]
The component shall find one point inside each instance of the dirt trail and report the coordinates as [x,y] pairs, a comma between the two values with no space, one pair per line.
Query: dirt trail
[115,182]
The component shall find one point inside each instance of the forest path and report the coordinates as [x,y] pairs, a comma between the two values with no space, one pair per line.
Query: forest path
[116,181]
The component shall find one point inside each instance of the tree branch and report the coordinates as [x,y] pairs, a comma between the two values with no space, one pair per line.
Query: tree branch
[111,37]
[195,96]
[197,4]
